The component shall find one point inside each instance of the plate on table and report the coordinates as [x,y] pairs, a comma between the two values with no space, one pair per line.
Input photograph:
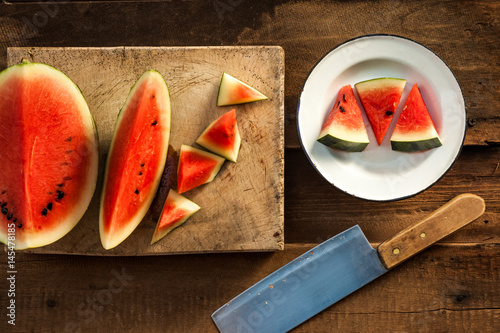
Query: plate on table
[378,173]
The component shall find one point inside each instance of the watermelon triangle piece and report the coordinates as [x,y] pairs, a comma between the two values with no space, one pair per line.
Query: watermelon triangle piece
[176,211]
[344,128]
[415,130]
[222,136]
[196,167]
[380,98]
[233,91]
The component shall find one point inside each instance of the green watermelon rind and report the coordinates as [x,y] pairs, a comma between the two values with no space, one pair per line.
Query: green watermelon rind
[220,93]
[62,231]
[413,146]
[337,143]
[377,82]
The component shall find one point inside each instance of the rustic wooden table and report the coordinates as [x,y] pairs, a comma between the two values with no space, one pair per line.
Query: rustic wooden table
[452,287]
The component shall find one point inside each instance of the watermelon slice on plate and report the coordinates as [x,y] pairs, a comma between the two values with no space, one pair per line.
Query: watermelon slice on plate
[415,130]
[176,211]
[49,155]
[196,167]
[136,158]
[222,136]
[380,98]
[233,91]
[344,128]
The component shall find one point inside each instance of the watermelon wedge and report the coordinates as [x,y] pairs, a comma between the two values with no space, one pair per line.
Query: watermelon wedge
[176,211]
[136,158]
[49,155]
[344,128]
[380,99]
[222,136]
[196,167]
[233,91]
[415,130]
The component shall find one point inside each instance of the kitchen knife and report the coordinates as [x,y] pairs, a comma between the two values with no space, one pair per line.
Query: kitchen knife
[334,269]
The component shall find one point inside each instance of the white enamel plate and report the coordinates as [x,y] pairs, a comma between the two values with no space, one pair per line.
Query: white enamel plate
[379,173]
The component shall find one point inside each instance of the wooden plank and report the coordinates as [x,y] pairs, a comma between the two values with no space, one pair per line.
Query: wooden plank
[316,210]
[242,209]
[445,288]
[469,29]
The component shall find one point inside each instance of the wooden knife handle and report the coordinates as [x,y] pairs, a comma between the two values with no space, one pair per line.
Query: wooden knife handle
[455,214]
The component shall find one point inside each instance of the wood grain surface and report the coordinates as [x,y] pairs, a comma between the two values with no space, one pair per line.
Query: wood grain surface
[242,209]
[451,287]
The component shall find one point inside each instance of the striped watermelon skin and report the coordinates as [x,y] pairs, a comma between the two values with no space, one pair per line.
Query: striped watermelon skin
[415,130]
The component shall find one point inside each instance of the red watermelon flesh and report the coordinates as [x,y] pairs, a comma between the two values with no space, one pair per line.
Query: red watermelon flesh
[344,127]
[380,99]
[222,136]
[49,155]
[196,167]
[415,130]
[176,211]
[136,158]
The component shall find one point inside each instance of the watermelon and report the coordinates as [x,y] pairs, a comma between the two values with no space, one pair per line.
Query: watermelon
[136,158]
[222,136]
[415,130]
[344,128]
[233,91]
[176,211]
[380,99]
[49,155]
[196,167]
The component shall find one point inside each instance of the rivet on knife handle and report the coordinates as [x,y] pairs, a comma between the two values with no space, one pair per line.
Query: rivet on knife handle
[455,214]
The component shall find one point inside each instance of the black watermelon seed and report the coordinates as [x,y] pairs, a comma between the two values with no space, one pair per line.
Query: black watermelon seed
[343,97]
[69,139]
[69,151]
[3,192]
[60,195]
[49,206]
[341,109]
[153,96]
[140,173]
[136,191]
[4,204]
[44,212]
[154,123]
[20,225]
[14,220]
[60,185]
[338,103]
[142,164]
[389,113]
[4,211]
[9,216]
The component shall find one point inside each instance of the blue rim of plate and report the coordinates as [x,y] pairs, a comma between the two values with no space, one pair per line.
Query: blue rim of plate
[314,165]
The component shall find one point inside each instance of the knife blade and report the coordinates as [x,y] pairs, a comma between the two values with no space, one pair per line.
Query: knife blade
[334,269]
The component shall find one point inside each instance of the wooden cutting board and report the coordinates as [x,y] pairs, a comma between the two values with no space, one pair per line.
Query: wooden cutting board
[242,209]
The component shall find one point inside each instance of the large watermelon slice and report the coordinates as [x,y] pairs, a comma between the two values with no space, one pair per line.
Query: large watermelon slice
[222,136]
[136,158]
[196,167]
[49,155]
[415,130]
[233,91]
[344,128]
[380,99]
[176,211]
